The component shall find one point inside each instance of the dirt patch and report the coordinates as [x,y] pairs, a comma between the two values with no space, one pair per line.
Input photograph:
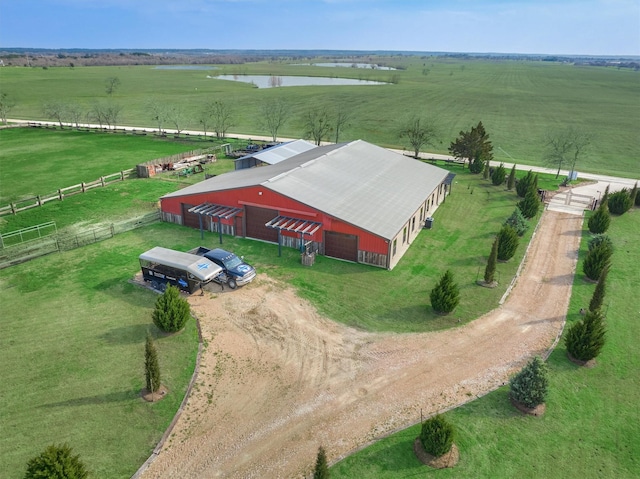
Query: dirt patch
[538,410]
[156,396]
[277,380]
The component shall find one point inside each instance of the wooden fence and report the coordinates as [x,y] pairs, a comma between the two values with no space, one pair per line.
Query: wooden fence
[64,241]
[39,200]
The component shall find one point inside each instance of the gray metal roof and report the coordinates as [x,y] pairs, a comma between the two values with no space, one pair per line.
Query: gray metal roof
[359,183]
[281,152]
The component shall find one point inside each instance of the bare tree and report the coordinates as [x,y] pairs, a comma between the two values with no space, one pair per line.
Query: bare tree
[317,124]
[176,116]
[159,113]
[56,110]
[112,112]
[565,146]
[6,104]
[111,85]
[75,114]
[274,114]
[222,118]
[204,118]
[97,113]
[342,117]
[418,132]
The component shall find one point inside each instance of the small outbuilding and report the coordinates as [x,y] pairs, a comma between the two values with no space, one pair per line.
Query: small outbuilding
[274,154]
[353,201]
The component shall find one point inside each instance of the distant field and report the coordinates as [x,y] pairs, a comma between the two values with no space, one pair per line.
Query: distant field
[517,101]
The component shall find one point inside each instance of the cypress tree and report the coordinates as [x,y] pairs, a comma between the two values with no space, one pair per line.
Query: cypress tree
[518,222]
[586,338]
[530,386]
[598,239]
[445,296]
[151,365]
[598,294]
[171,312]
[523,185]
[490,270]
[511,182]
[635,195]
[485,171]
[437,435]
[56,462]
[508,241]
[321,470]
[531,203]
[596,260]
[499,175]
[620,202]
[600,220]
[605,197]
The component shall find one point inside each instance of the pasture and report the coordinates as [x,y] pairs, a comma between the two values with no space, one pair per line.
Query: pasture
[73,358]
[517,101]
[589,429]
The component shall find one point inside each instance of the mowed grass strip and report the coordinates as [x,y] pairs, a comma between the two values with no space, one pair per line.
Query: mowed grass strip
[590,428]
[517,101]
[72,348]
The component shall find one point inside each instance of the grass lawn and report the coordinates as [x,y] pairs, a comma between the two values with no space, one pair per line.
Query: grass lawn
[37,162]
[590,429]
[517,101]
[72,351]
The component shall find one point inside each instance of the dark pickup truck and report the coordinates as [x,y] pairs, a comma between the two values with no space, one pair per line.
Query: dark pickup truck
[238,273]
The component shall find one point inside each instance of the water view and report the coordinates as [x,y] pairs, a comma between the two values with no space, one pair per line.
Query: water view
[270,81]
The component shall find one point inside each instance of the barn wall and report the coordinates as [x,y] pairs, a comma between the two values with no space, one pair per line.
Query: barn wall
[371,248]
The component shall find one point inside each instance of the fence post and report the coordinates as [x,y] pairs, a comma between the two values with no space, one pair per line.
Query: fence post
[60,195]
[121,175]
[102,180]
[13,208]
[82,186]
[39,201]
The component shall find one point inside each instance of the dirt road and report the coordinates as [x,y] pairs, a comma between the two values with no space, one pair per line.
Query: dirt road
[277,380]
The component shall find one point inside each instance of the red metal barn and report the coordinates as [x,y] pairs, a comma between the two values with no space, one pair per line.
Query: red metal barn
[354,201]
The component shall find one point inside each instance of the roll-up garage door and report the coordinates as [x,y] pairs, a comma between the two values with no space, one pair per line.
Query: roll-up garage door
[340,245]
[192,219]
[256,219]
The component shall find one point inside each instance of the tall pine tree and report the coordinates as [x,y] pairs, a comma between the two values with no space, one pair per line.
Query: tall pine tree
[151,366]
[445,296]
[511,181]
[321,470]
[598,294]
[586,338]
[490,270]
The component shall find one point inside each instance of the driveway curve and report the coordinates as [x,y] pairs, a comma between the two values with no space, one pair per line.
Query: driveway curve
[277,380]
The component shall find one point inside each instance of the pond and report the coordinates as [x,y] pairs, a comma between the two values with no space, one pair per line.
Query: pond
[270,81]
[370,66]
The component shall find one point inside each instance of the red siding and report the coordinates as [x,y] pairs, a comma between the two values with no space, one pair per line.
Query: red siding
[262,197]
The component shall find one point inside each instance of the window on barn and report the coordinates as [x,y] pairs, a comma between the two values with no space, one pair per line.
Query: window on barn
[404,235]
[413,223]
[395,243]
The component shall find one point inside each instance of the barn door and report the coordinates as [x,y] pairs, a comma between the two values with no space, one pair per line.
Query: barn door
[256,218]
[340,245]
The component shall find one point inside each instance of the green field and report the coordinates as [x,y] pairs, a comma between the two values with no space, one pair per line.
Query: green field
[590,428]
[73,359]
[37,161]
[518,101]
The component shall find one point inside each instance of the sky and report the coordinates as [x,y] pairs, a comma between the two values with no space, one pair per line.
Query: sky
[564,27]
